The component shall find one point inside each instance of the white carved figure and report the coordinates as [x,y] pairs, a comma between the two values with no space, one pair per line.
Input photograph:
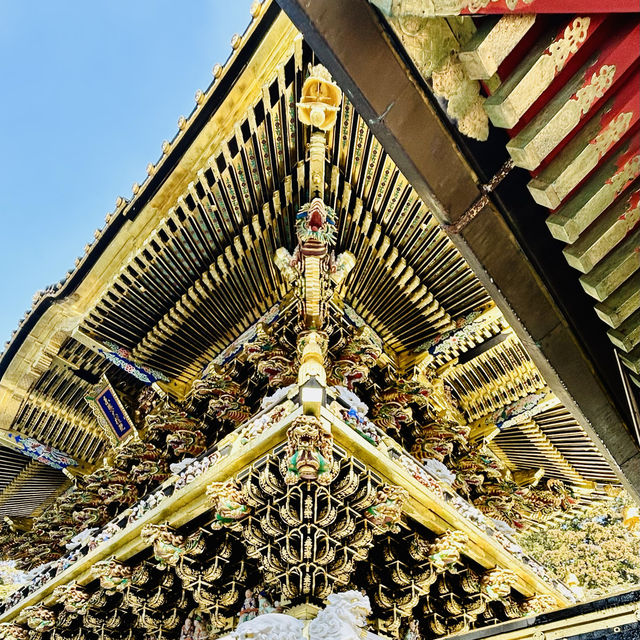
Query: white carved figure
[269,626]
[344,617]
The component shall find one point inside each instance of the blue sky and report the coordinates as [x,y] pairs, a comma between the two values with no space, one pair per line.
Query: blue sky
[89,92]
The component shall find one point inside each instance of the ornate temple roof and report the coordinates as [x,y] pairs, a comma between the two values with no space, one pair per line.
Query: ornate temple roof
[184,266]
[179,326]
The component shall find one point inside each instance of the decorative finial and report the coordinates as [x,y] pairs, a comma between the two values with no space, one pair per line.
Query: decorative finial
[151,169]
[199,97]
[166,145]
[320,99]
[135,188]
[256,9]
[217,71]
[235,41]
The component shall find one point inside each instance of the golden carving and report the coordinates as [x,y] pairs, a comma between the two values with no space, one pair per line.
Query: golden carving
[114,576]
[539,603]
[481,59]
[496,584]
[560,50]
[563,121]
[73,597]
[549,190]
[320,99]
[630,171]
[357,358]
[11,631]
[309,453]
[312,349]
[386,512]
[39,618]
[598,85]
[446,549]
[228,503]
[168,546]
[513,99]
[433,47]
[611,134]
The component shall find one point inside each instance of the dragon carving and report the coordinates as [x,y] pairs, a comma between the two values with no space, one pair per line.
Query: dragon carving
[228,503]
[446,549]
[356,359]
[114,576]
[168,546]
[270,359]
[386,512]
[312,267]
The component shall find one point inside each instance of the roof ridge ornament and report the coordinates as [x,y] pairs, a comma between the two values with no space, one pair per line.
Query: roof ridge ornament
[313,269]
[320,99]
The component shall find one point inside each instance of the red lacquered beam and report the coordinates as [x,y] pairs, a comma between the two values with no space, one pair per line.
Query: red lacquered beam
[481,7]
[555,124]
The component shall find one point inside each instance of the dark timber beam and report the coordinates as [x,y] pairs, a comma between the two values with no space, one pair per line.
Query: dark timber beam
[350,41]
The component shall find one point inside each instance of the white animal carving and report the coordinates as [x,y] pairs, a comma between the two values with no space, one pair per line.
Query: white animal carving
[269,626]
[344,618]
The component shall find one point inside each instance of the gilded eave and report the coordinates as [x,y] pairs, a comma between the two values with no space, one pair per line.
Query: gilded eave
[185,266]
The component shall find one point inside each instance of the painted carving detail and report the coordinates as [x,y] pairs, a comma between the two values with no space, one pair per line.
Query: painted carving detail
[320,99]
[309,453]
[357,358]
[270,359]
[496,584]
[228,502]
[446,549]
[269,626]
[537,604]
[39,618]
[611,134]
[114,576]
[386,512]
[11,631]
[168,546]
[73,597]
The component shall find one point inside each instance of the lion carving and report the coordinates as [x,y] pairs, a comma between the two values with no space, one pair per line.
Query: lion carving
[344,617]
[269,626]
[309,454]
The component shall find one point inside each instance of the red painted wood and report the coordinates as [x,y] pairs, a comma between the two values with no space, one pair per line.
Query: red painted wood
[553,6]
[599,29]
[621,50]
[626,100]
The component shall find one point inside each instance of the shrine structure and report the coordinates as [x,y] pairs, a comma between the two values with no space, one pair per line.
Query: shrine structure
[276,396]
